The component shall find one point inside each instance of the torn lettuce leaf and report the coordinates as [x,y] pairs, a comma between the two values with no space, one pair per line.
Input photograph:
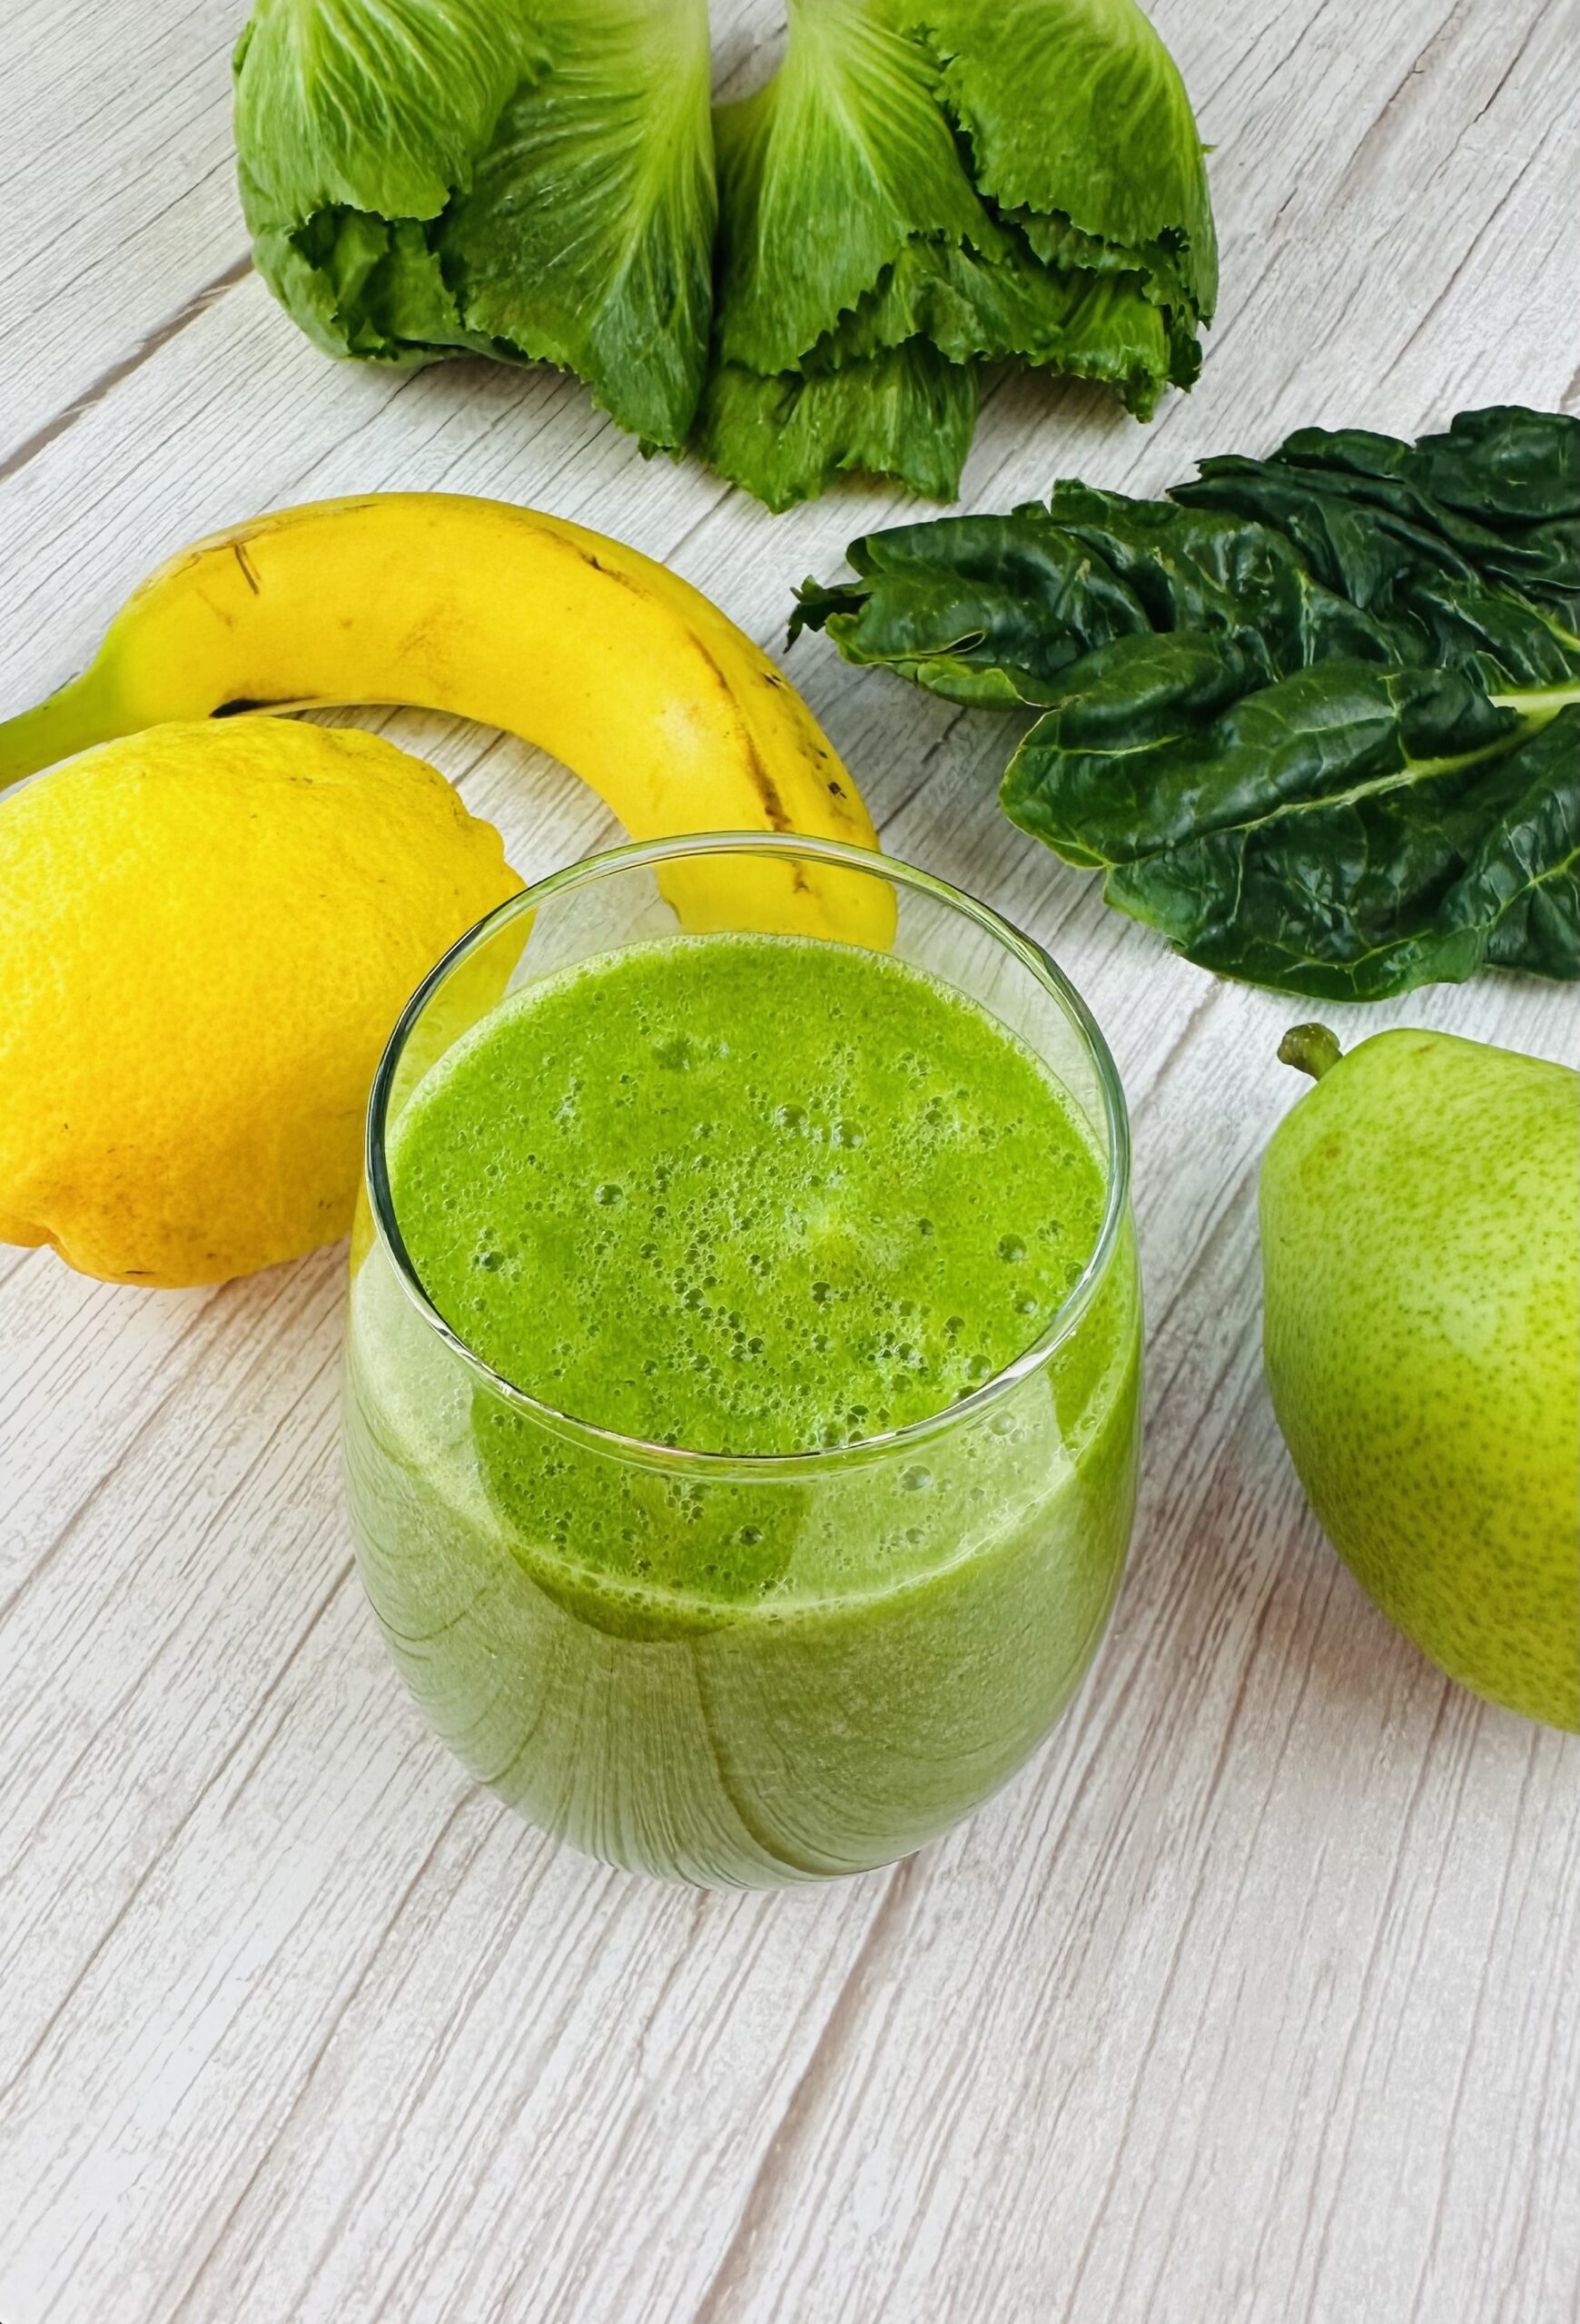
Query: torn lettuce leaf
[552,200]
[825,174]
[587,237]
[843,206]
[970,308]
[1076,116]
[903,411]
[343,104]
[362,286]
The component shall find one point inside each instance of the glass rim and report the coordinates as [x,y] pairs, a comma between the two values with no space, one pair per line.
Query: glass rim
[649,854]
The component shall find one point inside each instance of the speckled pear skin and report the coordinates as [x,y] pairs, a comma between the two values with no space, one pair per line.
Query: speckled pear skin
[1420,1223]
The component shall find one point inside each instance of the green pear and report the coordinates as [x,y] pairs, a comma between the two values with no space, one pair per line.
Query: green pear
[1420,1220]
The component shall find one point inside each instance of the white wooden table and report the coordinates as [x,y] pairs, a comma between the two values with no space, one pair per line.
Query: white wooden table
[1256,1995]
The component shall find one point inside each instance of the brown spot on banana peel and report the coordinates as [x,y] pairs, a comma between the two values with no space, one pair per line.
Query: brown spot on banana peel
[610,572]
[249,571]
[767,790]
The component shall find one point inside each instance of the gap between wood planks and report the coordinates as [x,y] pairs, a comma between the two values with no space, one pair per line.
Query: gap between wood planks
[108,380]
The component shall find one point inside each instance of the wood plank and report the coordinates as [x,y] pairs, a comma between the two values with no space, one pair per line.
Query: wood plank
[121,208]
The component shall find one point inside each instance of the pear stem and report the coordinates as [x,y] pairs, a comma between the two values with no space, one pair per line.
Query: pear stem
[1310,1047]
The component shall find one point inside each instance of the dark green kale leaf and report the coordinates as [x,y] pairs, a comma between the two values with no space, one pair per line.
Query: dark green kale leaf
[980,609]
[1314,717]
[1346,832]
[1502,484]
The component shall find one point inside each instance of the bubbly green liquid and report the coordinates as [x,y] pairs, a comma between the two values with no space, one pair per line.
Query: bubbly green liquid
[744,1196]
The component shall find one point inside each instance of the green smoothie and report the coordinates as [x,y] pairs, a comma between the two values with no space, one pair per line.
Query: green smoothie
[742,1197]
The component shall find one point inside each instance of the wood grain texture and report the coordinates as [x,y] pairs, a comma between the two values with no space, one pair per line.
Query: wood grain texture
[1253,1998]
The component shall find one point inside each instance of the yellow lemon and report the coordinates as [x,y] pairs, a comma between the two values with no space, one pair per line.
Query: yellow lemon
[206,934]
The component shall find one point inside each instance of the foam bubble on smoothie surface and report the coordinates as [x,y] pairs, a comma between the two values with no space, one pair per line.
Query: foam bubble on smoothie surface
[744,1194]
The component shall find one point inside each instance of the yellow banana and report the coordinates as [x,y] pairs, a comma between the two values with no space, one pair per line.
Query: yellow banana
[523,621]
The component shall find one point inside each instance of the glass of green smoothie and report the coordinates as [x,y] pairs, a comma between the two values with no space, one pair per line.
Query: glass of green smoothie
[743,1385]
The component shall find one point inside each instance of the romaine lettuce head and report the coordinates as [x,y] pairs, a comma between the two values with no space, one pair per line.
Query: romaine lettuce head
[923,187]
[431,177]
[961,181]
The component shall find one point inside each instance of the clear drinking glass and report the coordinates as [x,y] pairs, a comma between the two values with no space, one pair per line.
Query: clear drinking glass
[821,1729]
